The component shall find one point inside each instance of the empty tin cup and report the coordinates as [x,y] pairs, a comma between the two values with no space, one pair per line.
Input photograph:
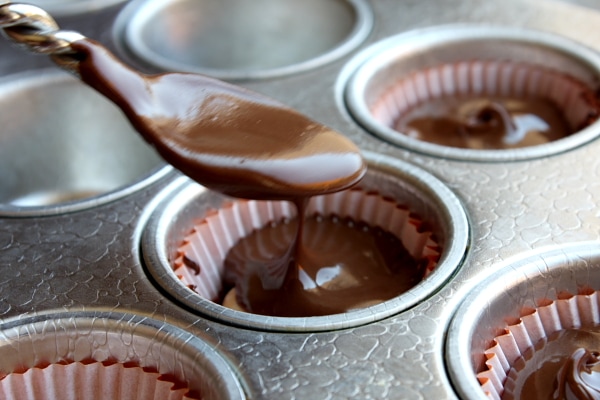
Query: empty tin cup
[71,7]
[109,355]
[425,215]
[524,323]
[477,92]
[233,39]
[64,147]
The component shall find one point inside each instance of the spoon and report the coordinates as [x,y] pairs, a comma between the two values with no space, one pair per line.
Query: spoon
[230,139]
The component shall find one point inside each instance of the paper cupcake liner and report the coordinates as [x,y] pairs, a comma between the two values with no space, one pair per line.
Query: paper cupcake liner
[510,351]
[489,78]
[92,380]
[200,260]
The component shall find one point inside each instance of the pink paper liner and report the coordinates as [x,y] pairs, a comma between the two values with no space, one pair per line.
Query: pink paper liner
[92,380]
[488,78]
[551,316]
[210,240]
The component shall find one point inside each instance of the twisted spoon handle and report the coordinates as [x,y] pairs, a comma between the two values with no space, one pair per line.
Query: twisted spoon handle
[34,29]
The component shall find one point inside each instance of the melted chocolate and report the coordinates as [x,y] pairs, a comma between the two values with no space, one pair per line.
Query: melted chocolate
[567,366]
[223,136]
[191,264]
[577,378]
[336,266]
[485,123]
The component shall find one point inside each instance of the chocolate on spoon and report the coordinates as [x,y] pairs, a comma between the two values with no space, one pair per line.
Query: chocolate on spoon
[225,137]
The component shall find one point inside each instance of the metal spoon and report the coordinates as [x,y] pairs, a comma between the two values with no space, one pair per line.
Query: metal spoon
[223,136]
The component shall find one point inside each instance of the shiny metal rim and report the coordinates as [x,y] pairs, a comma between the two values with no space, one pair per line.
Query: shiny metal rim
[45,328]
[11,211]
[73,7]
[132,19]
[36,78]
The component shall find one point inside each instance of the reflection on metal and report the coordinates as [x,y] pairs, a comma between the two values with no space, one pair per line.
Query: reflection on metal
[64,147]
[83,259]
[235,40]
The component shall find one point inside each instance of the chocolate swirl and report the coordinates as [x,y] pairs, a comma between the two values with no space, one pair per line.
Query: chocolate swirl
[576,379]
[564,366]
[485,123]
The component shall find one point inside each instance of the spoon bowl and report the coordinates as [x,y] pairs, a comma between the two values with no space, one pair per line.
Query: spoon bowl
[223,136]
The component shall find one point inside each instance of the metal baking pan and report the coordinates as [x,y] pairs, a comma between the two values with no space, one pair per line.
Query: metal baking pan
[83,259]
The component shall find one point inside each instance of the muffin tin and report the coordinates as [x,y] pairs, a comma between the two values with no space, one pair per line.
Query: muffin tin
[410,69]
[522,222]
[149,356]
[534,298]
[235,39]
[73,7]
[48,166]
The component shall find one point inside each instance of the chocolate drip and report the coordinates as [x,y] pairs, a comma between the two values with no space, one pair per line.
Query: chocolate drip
[191,264]
[334,266]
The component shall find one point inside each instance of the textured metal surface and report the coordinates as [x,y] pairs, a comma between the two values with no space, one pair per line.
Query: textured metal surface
[518,283]
[89,260]
[119,337]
